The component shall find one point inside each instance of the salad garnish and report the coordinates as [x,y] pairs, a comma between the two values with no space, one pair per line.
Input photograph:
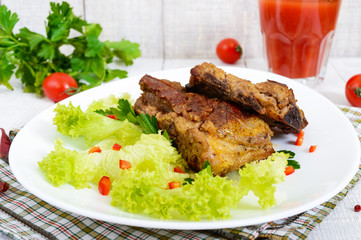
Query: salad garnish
[144,175]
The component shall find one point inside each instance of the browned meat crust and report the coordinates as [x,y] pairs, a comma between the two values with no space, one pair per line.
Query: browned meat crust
[274,101]
[205,129]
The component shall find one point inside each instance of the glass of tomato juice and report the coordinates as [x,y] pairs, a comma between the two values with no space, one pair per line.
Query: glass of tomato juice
[297,36]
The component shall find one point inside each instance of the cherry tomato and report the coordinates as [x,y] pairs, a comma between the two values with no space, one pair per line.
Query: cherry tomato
[353,90]
[56,85]
[229,50]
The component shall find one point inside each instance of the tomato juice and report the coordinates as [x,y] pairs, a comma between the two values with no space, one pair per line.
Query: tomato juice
[297,35]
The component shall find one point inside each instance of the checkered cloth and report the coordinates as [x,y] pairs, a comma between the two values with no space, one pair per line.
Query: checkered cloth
[24,216]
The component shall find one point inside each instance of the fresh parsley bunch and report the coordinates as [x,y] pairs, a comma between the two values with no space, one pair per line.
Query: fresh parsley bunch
[32,56]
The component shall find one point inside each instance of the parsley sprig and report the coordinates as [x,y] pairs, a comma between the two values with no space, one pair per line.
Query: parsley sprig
[124,110]
[32,56]
[290,161]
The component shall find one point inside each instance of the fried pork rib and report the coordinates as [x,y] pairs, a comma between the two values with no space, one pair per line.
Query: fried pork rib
[274,101]
[205,129]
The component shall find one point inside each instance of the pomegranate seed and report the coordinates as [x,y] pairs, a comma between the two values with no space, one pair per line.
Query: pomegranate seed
[3,186]
[357,208]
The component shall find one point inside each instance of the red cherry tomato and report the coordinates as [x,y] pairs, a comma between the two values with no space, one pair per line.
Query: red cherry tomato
[229,50]
[56,85]
[353,90]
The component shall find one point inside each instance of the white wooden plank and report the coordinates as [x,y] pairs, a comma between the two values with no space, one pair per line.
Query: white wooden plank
[347,40]
[192,29]
[333,85]
[191,62]
[141,66]
[343,223]
[346,67]
[137,21]
[253,37]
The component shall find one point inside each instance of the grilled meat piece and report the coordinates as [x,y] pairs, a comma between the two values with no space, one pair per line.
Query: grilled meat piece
[274,101]
[205,129]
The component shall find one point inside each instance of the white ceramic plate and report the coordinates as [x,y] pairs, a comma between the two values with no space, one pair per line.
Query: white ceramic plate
[323,173]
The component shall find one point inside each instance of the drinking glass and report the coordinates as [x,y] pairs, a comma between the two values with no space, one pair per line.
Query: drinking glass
[297,36]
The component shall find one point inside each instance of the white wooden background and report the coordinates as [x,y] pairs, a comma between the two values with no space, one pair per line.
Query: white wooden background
[170,29]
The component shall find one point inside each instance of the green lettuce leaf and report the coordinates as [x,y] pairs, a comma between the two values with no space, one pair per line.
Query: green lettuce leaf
[108,102]
[151,153]
[144,192]
[209,196]
[63,166]
[144,187]
[72,121]
[260,178]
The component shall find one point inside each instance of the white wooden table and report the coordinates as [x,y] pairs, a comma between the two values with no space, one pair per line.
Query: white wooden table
[18,108]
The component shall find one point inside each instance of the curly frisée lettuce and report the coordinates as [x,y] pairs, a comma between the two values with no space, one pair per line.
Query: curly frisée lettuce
[207,196]
[261,177]
[152,153]
[72,121]
[79,168]
[144,188]
[63,166]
